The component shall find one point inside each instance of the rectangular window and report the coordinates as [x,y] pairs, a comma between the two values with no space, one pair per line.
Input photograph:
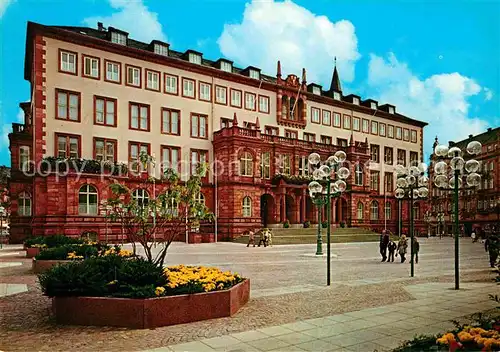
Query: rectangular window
[374,180]
[68,62]
[399,133]
[388,155]
[104,111]
[316,90]
[381,129]
[264,104]
[413,158]
[250,101]
[406,135]
[105,149]
[254,74]
[374,127]
[326,139]
[347,122]
[91,66]
[113,71]
[67,146]
[391,110]
[389,182]
[315,115]
[373,105]
[170,157]
[139,116]
[265,165]
[24,158]
[336,120]
[355,124]
[413,136]
[170,121]
[375,153]
[221,95]
[68,105]
[286,164]
[133,76]
[134,152]
[291,134]
[390,131]
[355,100]
[336,95]
[198,157]
[118,38]
[199,126]
[188,88]
[195,58]
[160,49]
[402,157]
[303,166]
[205,91]
[153,80]
[342,142]
[171,84]
[225,122]
[273,131]
[366,126]
[236,98]
[226,66]
[327,118]
[310,137]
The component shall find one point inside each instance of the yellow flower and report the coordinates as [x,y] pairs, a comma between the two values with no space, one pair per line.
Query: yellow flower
[464,336]
[124,253]
[220,286]
[114,282]
[159,290]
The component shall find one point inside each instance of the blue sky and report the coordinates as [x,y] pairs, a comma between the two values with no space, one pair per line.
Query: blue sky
[436,61]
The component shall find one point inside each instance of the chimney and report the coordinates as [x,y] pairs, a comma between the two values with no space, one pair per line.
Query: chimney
[489,129]
[100,26]
[470,136]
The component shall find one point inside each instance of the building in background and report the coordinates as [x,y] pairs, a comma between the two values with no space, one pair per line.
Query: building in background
[99,95]
[479,208]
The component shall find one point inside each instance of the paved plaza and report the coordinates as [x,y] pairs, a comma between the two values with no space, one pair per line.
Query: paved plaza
[369,306]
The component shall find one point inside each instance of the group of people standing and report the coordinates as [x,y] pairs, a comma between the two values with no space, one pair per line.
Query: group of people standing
[401,248]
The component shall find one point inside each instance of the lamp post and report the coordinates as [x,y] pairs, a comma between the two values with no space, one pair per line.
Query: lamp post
[319,202]
[459,170]
[330,175]
[411,182]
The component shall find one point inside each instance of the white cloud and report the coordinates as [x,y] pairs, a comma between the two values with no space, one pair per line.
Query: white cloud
[488,94]
[133,17]
[442,100]
[3,6]
[273,30]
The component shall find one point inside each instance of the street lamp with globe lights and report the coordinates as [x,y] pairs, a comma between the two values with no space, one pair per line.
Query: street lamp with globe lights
[413,183]
[329,174]
[460,169]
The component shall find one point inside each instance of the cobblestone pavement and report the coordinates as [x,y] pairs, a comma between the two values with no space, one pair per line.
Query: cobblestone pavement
[288,286]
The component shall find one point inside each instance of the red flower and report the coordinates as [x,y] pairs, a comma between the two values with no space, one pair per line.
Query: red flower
[454,345]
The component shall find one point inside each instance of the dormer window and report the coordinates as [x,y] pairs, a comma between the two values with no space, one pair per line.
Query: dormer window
[355,100]
[391,110]
[336,95]
[373,105]
[316,90]
[226,66]
[195,58]
[254,74]
[118,38]
[160,49]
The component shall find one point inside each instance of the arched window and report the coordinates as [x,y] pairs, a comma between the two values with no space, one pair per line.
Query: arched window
[388,210]
[284,107]
[87,200]
[200,198]
[292,108]
[358,175]
[141,196]
[24,204]
[360,211]
[247,207]
[374,210]
[246,164]
[170,205]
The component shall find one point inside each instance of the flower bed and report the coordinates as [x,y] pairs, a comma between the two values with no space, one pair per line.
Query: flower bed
[471,339]
[40,266]
[131,292]
[35,245]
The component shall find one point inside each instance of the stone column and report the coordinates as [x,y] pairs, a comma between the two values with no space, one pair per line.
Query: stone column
[303,207]
[283,208]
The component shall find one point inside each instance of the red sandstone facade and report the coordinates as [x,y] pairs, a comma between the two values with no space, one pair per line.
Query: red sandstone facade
[256,139]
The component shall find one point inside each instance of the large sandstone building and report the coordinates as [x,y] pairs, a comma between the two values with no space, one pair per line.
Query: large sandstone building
[97,94]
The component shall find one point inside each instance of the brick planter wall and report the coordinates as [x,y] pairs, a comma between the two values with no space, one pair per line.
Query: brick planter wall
[40,266]
[152,312]
[32,252]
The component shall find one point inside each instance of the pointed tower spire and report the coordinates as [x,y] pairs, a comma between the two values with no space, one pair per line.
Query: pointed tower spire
[278,71]
[351,140]
[235,120]
[335,85]
[257,123]
[304,79]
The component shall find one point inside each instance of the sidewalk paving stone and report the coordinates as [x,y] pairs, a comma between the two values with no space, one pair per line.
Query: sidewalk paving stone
[299,326]
[251,335]
[318,346]
[275,331]
[221,341]
[268,344]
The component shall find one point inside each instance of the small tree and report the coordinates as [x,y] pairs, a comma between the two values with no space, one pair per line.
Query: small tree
[162,218]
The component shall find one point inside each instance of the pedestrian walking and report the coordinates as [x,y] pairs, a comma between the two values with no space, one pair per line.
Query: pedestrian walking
[416,248]
[402,248]
[251,238]
[473,236]
[492,246]
[392,249]
[384,242]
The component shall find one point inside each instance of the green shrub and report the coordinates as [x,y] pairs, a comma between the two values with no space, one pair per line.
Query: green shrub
[342,224]
[111,275]
[61,253]
[286,224]
[30,242]
[307,224]
[52,241]
[324,224]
